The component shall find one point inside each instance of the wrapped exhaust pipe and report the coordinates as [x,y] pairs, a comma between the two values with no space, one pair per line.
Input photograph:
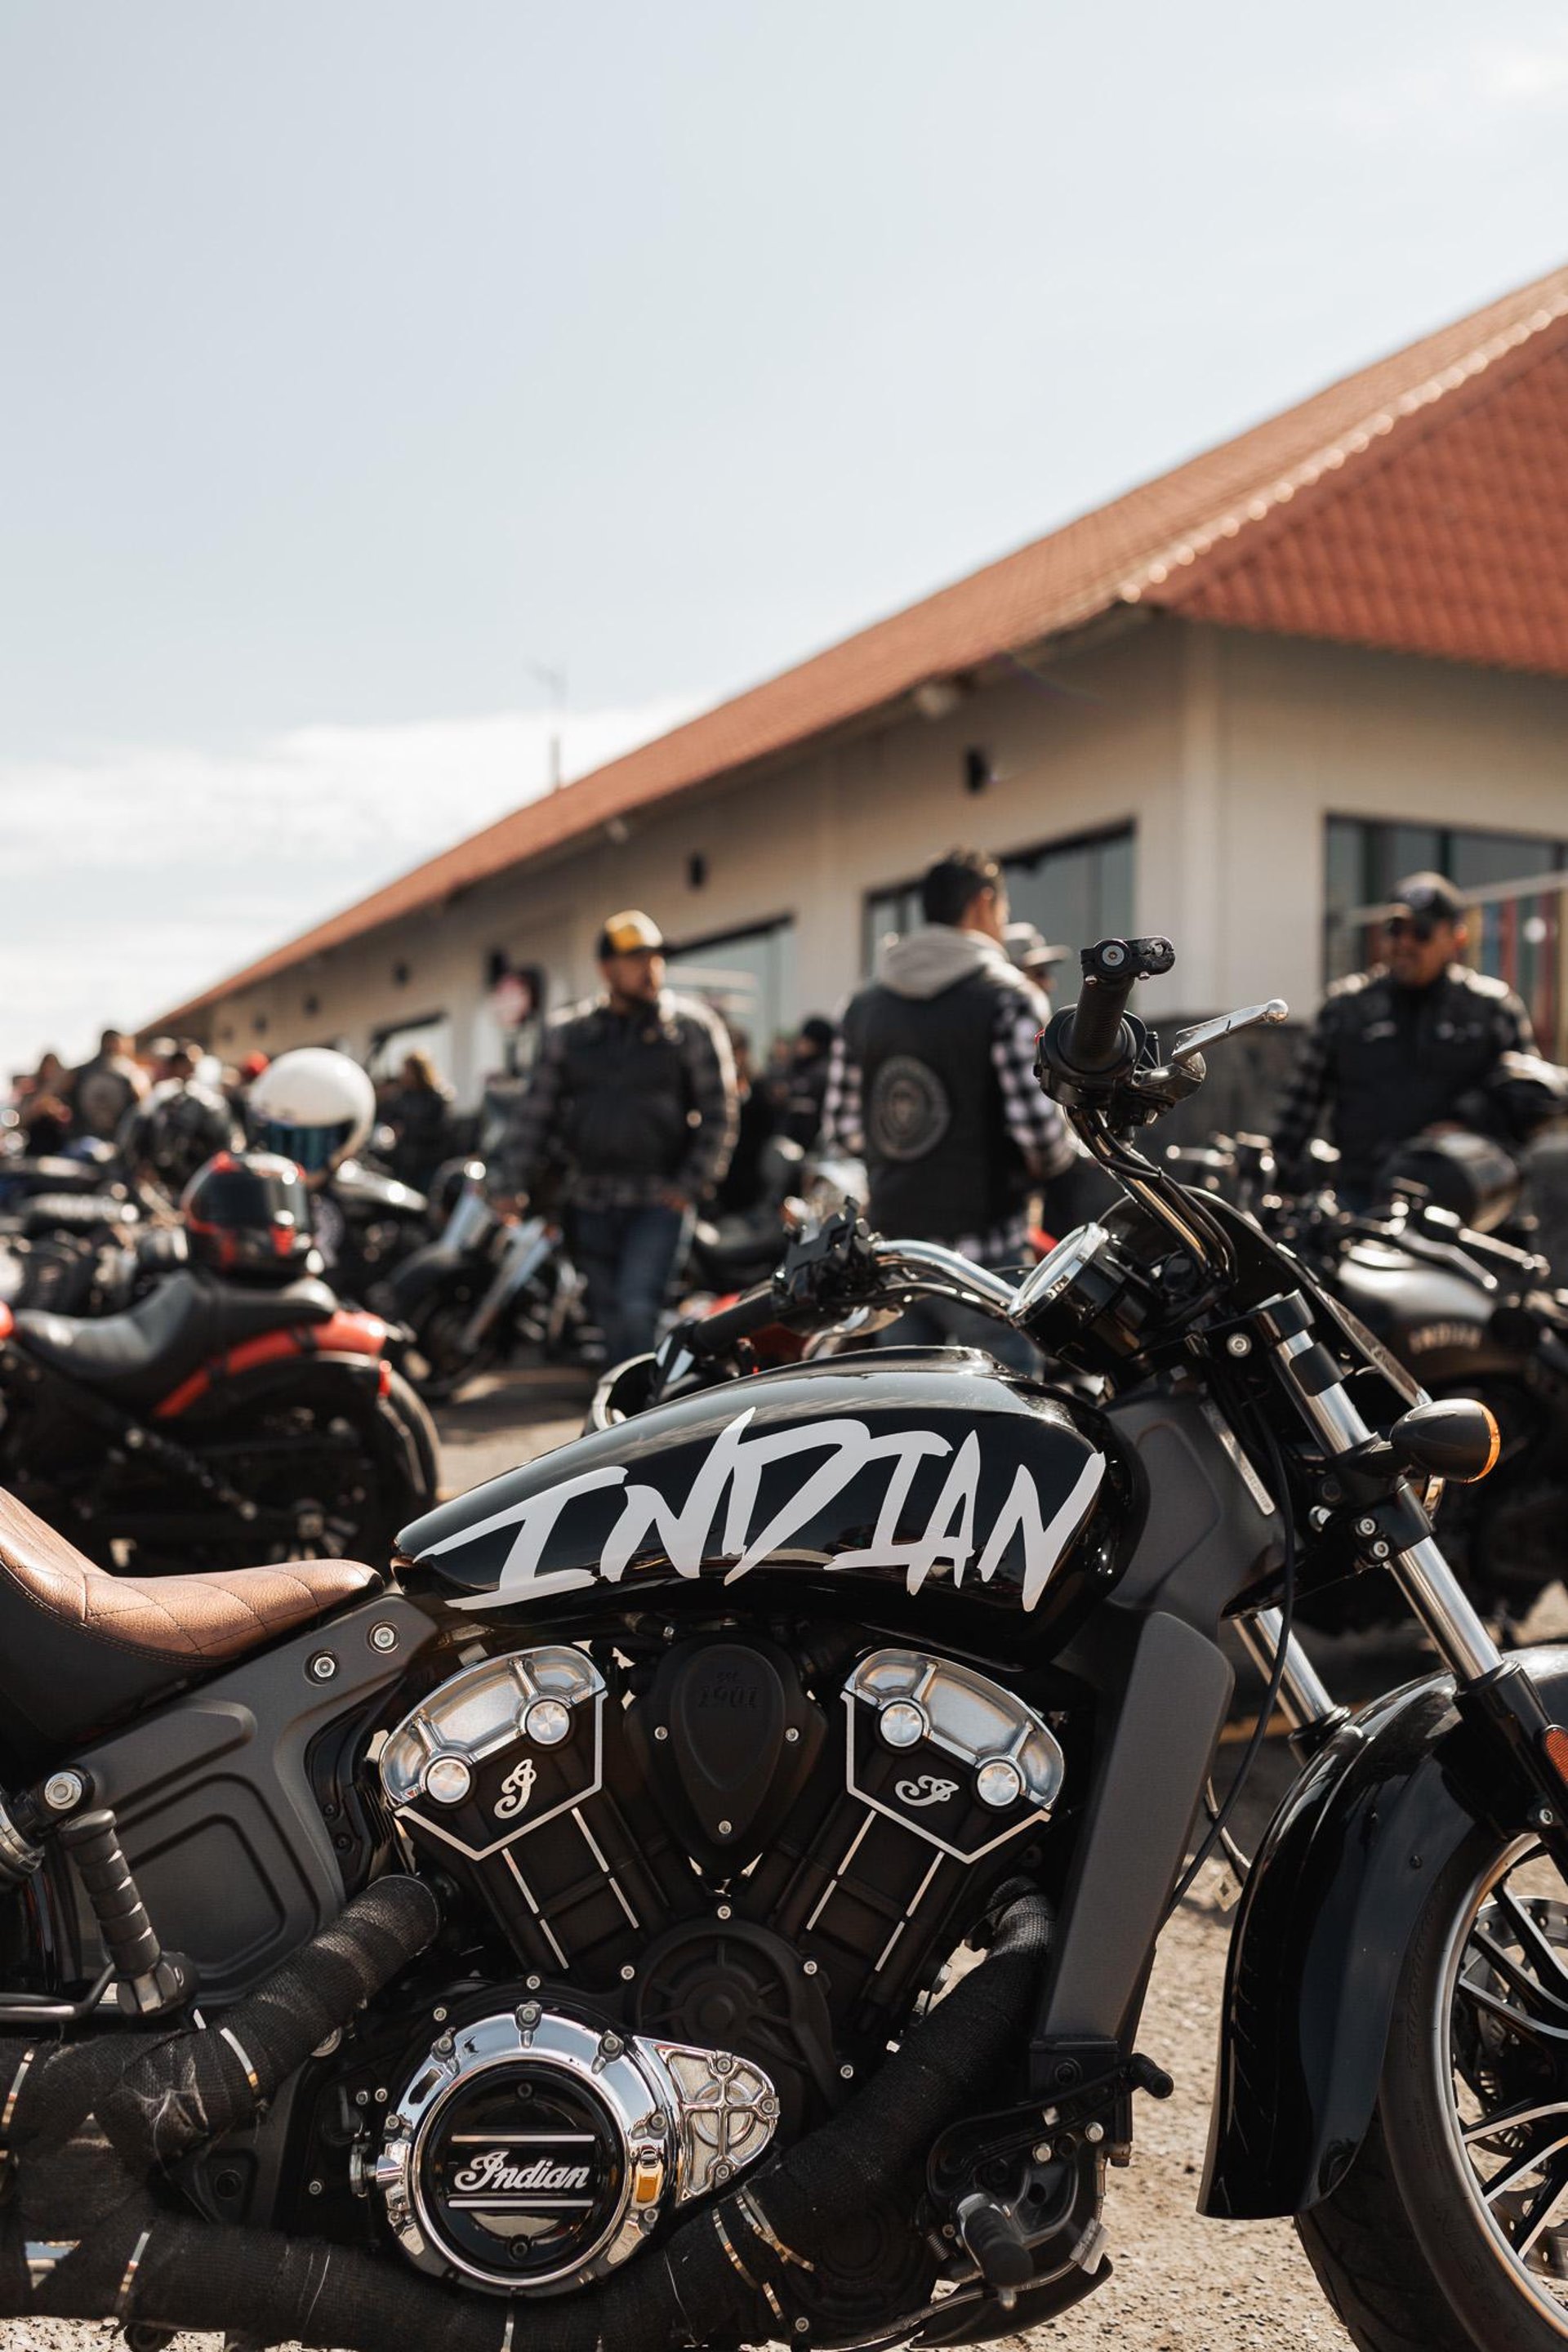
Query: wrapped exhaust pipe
[739,2268]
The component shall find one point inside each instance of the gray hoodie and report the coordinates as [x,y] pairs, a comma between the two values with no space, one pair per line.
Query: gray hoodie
[937,957]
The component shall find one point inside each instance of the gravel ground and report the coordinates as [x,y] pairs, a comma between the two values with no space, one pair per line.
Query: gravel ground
[1180,2284]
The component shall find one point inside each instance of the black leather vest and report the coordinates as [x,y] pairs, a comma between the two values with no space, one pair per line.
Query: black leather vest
[625,1096]
[941,1163]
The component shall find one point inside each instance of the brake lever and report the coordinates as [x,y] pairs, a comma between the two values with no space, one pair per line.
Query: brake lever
[1192,1043]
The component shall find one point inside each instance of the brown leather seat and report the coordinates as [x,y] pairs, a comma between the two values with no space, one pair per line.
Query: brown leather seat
[79,1645]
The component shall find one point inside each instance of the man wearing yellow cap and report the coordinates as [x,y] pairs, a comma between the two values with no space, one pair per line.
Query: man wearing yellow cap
[632,1100]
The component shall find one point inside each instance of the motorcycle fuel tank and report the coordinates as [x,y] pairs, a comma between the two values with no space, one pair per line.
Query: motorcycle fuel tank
[889,1472]
[1433,1316]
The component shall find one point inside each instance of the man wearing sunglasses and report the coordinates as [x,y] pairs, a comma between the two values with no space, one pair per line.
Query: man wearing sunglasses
[1412,1046]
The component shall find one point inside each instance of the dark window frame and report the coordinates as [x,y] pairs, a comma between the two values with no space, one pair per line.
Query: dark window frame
[1092,837]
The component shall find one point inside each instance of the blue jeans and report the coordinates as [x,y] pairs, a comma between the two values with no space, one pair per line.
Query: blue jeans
[626,1257]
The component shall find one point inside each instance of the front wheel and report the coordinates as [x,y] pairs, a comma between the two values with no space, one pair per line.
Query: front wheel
[1451,2228]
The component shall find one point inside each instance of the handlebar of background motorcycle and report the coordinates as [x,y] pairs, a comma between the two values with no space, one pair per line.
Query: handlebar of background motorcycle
[910,1270]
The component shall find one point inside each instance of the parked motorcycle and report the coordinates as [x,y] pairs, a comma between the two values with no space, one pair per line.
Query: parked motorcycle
[565,1916]
[231,1414]
[1470,1315]
[483,1289]
[368,1225]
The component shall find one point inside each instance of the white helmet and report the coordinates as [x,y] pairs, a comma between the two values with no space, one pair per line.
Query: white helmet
[314,1105]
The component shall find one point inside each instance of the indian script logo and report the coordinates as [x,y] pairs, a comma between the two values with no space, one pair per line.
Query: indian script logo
[516,1789]
[716,1523]
[494,2170]
[927,1791]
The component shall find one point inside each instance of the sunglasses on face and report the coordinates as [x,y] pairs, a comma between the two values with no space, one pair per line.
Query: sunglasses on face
[1411,927]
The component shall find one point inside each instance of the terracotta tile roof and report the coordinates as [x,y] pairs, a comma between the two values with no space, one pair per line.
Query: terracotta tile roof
[1421,504]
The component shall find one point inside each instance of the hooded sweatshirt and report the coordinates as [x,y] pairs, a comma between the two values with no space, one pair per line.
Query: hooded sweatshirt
[943,1160]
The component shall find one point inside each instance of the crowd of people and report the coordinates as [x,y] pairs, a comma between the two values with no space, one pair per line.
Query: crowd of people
[644,1108]
[165,1108]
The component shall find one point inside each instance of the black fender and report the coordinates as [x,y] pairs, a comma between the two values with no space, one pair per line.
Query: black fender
[1318,1946]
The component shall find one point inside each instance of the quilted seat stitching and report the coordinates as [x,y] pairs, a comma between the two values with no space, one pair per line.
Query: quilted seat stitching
[81,1594]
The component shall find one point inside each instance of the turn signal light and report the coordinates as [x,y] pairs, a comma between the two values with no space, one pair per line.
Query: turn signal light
[1455,1438]
[1554,1740]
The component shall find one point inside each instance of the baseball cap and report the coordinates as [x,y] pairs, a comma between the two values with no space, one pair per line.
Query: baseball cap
[1025,944]
[1432,894]
[631,932]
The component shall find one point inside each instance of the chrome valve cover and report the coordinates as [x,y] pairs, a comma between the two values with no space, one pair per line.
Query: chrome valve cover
[954,1757]
[532,2152]
[499,1749]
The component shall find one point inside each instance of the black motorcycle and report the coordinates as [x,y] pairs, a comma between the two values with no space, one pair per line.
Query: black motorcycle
[1468,1314]
[706,1894]
[483,1290]
[367,1225]
[210,1426]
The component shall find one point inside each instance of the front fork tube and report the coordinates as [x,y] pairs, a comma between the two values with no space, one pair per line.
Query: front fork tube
[520,1259]
[1496,1695]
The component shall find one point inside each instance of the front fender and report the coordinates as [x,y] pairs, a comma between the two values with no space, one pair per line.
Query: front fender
[1331,1903]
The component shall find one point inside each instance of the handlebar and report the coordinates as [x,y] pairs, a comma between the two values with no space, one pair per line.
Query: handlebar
[1092,1039]
[707,1337]
[876,1274]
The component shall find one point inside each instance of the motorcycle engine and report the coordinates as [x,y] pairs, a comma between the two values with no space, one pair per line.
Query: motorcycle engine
[726,1868]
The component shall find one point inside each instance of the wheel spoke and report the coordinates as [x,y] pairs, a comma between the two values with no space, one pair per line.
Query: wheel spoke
[1548,1958]
[1523,2165]
[1533,2029]
[1538,2212]
[1526,1986]
[1512,2119]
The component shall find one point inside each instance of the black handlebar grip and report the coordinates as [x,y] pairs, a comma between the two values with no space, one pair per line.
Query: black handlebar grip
[714,1335]
[1109,976]
[1094,1040]
[93,1840]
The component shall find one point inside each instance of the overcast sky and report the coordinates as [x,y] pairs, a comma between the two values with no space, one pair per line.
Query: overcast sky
[359,358]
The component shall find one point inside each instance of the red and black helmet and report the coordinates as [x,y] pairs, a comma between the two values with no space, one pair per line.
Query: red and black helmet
[248,1213]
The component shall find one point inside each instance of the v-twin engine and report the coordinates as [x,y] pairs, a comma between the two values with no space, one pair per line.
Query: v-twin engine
[723,1871]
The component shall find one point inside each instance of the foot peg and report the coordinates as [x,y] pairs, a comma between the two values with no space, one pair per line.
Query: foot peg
[995,2243]
[147,1980]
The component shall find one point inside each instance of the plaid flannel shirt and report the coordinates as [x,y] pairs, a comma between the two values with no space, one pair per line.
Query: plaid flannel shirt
[709,1067]
[1034,1122]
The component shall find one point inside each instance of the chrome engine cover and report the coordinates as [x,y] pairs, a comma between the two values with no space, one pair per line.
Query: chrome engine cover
[532,2152]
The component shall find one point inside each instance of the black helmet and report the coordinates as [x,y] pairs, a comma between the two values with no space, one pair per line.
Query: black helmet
[249,1213]
[176,1130]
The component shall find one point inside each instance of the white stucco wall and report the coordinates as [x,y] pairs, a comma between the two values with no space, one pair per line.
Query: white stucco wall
[1227,751]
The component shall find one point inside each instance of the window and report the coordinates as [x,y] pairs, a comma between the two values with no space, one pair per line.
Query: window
[1075,891]
[1516,938]
[747,976]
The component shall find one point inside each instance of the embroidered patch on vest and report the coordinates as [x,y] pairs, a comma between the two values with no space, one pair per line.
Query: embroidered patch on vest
[909,1112]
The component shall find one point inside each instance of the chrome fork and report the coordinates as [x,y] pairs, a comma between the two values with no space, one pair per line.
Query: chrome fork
[1421,1572]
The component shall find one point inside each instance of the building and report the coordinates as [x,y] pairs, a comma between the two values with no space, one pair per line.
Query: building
[1231,705]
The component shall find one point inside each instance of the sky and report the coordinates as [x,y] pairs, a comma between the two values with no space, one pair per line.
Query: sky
[365,364]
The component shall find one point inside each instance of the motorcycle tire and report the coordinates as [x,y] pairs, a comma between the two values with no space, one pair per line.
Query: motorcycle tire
[394,1476]
[1411,2250]
[437,1360]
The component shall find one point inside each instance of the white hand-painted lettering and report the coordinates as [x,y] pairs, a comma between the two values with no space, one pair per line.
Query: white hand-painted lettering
[725,1493]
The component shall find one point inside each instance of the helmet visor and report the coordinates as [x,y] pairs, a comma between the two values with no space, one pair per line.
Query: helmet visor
[310,1148]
